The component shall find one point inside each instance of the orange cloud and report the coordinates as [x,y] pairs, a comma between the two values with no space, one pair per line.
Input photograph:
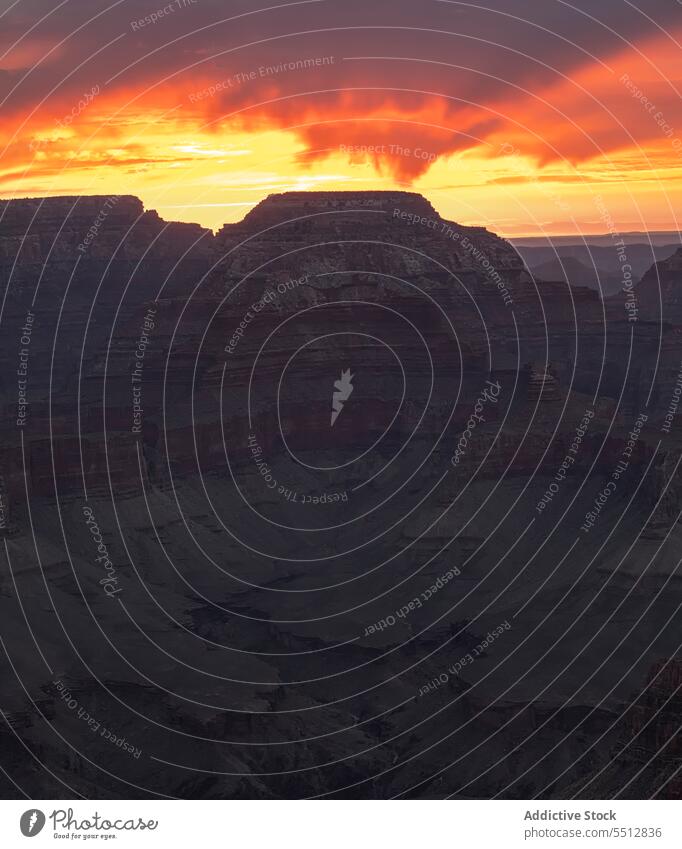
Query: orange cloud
[533,87]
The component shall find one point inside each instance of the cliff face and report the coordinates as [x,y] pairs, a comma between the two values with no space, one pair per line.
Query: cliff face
[401,219]
[94,229]
[107,261]
[660,290]
[170,375]
[79,273]
[646,752]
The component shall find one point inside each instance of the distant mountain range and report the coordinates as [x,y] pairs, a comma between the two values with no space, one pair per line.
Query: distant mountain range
[593,265]
[657,238]
[571,270]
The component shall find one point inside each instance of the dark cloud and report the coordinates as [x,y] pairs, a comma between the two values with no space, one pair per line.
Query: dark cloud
[460,63]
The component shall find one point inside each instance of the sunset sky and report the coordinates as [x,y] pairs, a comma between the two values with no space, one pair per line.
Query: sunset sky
[512,114]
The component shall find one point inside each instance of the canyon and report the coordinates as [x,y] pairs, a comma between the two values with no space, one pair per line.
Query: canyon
[274,598]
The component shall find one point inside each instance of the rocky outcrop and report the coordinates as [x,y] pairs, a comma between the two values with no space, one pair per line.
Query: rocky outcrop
[660,290]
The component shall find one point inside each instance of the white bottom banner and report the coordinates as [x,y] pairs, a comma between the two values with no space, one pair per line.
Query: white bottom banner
[341,824]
